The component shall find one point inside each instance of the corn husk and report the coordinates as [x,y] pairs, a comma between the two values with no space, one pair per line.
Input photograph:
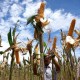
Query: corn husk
[37,54]
[45,23]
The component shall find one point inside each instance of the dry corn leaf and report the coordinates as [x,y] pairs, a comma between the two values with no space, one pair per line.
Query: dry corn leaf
[77,32]
[56,54]
[29,46]
[78,37]
[36,48]
[45,23]
[56,64]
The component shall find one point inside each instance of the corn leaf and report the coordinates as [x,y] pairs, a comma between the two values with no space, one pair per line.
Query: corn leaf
[14,30]
[10,38]
[1,52]
[30,19]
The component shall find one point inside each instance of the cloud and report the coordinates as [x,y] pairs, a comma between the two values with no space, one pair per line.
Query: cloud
[4,7]
[31,9]
[15,10]
[60,19]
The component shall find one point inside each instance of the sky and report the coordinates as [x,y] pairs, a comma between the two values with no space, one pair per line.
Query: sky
[59,12]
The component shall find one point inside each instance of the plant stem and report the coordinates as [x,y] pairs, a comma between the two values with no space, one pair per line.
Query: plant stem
[11,67]
[41,56]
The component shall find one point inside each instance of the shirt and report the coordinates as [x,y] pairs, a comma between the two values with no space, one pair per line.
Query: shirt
[48,72]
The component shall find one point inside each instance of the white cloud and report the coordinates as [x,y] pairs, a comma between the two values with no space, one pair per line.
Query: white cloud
[31,9]
[15,1]
[4,7]
[60,19]
[25,34]
[15,10]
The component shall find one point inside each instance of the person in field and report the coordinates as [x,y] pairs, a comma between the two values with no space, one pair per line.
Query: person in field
[78,69]
[48,68]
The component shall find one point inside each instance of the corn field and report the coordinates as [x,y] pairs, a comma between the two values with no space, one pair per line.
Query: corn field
[66,66]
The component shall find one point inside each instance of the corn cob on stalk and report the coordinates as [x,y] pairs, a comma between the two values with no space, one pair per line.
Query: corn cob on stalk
[70,33]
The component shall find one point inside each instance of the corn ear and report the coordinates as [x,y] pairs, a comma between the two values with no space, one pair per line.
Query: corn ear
[71,29]
[70,33]
[17,56]
[41,10]
[54,43]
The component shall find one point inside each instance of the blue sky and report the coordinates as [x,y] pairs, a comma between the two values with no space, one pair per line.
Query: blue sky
[58,12]
[72,6]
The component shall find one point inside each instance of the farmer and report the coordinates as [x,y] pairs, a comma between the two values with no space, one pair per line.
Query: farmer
[48,68]
[78,69]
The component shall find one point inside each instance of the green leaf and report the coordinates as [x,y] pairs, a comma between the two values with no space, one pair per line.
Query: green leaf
[1,52]
[14,30]
[30,19]
[44,44]
[10,38]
